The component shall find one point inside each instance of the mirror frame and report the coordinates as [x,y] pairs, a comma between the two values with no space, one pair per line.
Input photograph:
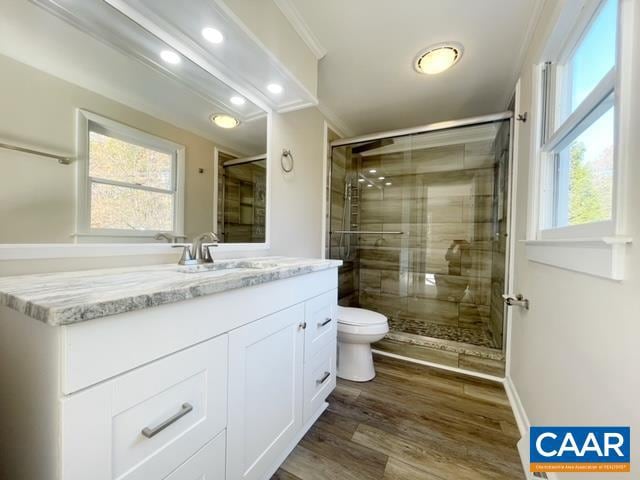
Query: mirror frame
[26,251]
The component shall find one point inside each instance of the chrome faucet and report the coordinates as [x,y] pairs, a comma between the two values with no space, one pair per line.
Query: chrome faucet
[199,250]
[201,246]
[170,238]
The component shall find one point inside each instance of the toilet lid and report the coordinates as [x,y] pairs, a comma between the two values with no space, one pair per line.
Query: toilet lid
[359,316]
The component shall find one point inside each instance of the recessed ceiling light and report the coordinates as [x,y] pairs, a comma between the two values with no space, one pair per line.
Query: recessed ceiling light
[225,121]
[212,35]
[369,185]
[388,184]
[373,170]
[275,88]
[170,56]
[361,180]
[438,58]
[380,178]
[237,100]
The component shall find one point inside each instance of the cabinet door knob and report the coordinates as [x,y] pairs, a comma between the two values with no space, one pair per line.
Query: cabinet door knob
[303,325]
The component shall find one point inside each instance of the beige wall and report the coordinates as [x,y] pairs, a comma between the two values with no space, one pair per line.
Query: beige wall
[296,197]
[575,354]
[37,195]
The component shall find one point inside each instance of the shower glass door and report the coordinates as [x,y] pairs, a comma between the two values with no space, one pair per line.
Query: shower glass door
[421,224]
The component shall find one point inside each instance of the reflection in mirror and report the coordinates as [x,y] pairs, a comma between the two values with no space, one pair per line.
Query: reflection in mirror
[143,133]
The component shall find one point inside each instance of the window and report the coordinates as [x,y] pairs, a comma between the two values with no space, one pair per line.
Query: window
[578,131]
[130,183]
[578,180]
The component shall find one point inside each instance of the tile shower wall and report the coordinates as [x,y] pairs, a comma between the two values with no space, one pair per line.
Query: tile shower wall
[341,246]
[434,280]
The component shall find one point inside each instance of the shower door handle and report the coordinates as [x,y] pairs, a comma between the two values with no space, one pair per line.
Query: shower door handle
[517,301]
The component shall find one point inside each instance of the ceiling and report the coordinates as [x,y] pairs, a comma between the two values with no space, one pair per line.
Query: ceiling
[366,79]
[37,38]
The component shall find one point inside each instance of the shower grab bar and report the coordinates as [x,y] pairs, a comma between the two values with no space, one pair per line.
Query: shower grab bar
[367,232]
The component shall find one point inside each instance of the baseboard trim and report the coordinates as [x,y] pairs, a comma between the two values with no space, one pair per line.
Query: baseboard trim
[522,420]
[516,405]
[462,371]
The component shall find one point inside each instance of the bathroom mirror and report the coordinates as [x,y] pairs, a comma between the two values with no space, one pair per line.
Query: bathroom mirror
[108,135]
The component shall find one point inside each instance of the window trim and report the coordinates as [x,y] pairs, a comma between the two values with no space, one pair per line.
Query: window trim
[106,126]
[558,136]
[565,247]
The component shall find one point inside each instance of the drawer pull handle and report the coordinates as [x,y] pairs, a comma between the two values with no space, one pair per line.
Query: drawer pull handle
[325,323]
[323,378]
[151,432]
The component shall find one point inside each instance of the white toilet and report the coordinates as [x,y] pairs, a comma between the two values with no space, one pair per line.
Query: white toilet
[357,330]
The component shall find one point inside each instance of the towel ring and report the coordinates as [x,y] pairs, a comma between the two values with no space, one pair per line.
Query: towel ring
[286,153]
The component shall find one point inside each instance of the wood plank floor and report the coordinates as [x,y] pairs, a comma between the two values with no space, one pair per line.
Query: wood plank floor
[410,423]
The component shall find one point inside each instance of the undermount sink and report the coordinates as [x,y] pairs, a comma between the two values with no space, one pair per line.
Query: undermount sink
[224,267]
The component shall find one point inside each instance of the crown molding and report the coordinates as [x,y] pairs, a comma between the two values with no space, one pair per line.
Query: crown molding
[532,25]
[344,130]
[300,26]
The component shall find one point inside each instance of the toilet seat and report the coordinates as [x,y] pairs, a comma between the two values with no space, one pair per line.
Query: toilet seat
[359,317]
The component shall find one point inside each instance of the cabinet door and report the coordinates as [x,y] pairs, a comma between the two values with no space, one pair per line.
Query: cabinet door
[207,464]
[265,392]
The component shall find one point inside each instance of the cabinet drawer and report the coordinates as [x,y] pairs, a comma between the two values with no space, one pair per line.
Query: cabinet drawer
[145,423]
[321,321]
[207,464]
[319,379]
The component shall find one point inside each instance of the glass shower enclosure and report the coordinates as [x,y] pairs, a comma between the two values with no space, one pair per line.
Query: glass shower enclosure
[421,222]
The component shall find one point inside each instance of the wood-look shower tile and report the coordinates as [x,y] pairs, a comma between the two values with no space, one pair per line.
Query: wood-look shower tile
[449,288]
[479,154]
[395,282]
[419,353]
[379,258]
[433,311]
[473,315]
[388,305]
[478,264]
[478,209]
[482,365]
[370,280]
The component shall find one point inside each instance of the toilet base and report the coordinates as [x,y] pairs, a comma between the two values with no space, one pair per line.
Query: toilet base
[355,362]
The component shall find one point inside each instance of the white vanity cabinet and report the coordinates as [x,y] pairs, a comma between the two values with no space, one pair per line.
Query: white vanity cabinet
[274,391]
[266,374]
[217,387]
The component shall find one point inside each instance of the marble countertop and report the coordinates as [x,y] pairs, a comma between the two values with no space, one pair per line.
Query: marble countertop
[72,297]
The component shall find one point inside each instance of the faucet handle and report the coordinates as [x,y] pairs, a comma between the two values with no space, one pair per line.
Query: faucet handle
[187,257]
[206,253]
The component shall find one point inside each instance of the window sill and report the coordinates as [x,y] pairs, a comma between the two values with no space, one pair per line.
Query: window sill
[601,256]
